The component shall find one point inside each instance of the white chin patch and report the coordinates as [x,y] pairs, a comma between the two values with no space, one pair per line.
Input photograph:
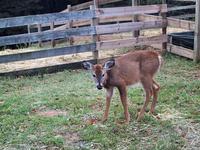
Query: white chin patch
[100,84]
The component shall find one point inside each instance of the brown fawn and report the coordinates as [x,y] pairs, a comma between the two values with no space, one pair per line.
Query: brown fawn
[129,69]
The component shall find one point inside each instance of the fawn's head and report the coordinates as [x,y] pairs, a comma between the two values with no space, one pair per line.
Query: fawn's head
[99,72]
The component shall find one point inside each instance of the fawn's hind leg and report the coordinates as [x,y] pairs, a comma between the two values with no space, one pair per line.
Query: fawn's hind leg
[156,88]
[147,85]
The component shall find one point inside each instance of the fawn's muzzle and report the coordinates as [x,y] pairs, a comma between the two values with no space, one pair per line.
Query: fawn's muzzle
[99,87]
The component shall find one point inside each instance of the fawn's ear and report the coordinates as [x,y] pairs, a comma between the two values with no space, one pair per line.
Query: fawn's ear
[109,64]
[87,65]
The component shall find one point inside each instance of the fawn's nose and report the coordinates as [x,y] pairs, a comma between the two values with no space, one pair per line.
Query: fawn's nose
[99,87]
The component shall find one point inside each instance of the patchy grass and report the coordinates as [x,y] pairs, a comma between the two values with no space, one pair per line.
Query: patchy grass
[60,111]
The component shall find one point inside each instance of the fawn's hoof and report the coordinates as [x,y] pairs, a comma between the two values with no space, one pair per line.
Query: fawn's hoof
[121,122]
[104,120]
[139,116]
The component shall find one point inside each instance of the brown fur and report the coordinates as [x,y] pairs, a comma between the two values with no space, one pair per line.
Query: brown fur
[129,69]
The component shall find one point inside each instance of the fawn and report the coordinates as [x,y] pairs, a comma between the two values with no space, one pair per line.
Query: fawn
[129,69]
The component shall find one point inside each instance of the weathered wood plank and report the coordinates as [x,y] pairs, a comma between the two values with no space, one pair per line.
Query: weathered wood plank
[95,37]
[80,7]
[181,8]
[178,23]
[87,4]
[120,15]
[39,31]
[47,53]
[128,27]
[45,18]
[101,20]
[145,17]
[135,18]
[46,35]
[131,42]
[197,33]
[53,44]
[111,19]
[29,31]
[172,22]
[70,25]
[122,11]
[164,29]
[181,51]
[77,23]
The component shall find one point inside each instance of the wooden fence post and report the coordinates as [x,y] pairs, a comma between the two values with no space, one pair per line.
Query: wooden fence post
[164,29]
[53,44]
[135,18]
[29,31]
[39,26]
[95,38]
[70,25]
[197,33]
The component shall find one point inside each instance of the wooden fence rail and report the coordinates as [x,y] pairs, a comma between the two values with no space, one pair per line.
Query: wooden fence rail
[128,27]
[106,13]
[46,18]
[134,10]
[47,53]
[84,31]
[81,6]
[181,8]
[46,35]
[83,17]
[171,22]
[131,42]
[88,4]
[83,48]
[101,29]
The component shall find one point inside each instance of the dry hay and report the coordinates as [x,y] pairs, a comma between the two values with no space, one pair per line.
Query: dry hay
[46,112]
[186,128]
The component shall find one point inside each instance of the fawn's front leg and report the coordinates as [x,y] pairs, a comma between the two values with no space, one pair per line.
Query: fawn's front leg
[123,96]
[108,99]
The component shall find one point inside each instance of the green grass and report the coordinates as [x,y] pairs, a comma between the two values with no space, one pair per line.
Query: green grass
[74,92]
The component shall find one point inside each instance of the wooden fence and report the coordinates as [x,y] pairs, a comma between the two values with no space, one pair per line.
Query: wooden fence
[181,8]
[78,7]
[94,29]
[177,22]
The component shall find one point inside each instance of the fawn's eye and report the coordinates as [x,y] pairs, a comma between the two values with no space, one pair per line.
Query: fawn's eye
[94,75]
[103,75]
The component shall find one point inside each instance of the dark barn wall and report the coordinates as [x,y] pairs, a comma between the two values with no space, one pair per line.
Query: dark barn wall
[12,8]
